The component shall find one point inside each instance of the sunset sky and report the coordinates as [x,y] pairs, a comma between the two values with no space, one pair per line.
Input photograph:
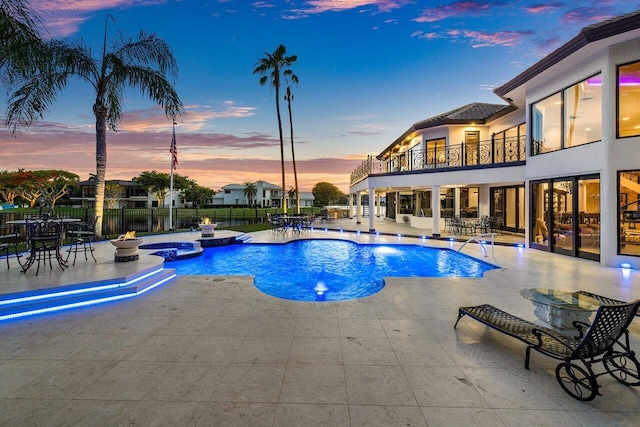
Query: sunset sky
[368,70]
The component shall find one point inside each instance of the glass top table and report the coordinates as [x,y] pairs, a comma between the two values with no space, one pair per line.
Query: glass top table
[564,300]
[559,309]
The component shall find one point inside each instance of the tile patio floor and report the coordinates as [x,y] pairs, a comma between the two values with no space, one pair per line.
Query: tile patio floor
[215,351]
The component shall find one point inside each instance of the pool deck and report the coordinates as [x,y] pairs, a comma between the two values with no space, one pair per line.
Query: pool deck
[203,350]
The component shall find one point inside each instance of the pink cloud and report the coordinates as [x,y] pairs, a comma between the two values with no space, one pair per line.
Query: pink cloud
[543,7]
[321,6]
[458,8]
[62,18]
[586,15]
[484,39]
[212,159]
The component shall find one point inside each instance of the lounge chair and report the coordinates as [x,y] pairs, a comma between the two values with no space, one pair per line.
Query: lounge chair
[603,299]
[605,341]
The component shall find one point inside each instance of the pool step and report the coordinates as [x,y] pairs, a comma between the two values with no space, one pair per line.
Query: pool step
[243,238]
[59,298]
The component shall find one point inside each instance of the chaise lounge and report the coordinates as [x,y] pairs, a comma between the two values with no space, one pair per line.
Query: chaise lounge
[605,341]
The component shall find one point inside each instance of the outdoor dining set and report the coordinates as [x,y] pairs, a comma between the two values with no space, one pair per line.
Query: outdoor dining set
[295,223]
[46,240]
[473,226]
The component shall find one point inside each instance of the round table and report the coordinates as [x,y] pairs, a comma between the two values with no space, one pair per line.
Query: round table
[559,309]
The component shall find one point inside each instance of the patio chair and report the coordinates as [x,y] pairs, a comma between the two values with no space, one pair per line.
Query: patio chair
[44,240]
[603,300]
[82,235]
[605,341]
[10,242]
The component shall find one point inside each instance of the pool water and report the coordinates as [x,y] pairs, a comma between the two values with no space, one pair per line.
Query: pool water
[329,270]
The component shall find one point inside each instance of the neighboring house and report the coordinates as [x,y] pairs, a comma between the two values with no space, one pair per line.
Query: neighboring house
[267,196]
[562,153]
[133,195]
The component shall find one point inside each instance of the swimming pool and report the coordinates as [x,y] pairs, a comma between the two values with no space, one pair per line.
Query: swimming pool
[329,270]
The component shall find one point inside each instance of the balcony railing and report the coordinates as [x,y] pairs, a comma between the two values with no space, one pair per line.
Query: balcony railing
[479,154]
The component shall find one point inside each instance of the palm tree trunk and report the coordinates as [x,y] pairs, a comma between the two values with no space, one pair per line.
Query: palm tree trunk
[101,113]
[293,154]
[284,199]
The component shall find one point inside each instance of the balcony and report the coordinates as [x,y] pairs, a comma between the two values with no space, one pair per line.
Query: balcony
[498,151]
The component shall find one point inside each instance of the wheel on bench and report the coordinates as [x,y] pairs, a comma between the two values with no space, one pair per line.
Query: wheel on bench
[623,367]
[576,381]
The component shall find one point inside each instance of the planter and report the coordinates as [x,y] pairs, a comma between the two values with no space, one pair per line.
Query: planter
[207,229]
[126,250]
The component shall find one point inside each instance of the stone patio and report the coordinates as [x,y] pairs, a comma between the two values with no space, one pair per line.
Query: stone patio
[215,351]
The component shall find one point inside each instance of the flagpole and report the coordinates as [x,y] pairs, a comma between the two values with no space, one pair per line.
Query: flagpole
[173,166]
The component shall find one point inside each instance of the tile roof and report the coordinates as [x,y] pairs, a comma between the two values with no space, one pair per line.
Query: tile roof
[476,112]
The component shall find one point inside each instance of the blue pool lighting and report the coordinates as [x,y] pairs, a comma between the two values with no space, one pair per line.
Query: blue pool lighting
[52,309]
[300,270]
[625,265]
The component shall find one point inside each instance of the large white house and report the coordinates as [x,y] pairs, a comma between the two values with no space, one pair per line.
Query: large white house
[267,196]
[557,160]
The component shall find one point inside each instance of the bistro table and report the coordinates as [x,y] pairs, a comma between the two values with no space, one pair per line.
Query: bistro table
[559,309]
[44,239]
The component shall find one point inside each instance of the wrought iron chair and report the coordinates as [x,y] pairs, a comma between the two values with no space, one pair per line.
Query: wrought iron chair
[605,341]
[82,235]
[44,239]
[10,240]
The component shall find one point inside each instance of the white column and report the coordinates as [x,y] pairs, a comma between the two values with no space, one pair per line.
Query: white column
[358,207]
[350,205]
[435,207]
[371,201]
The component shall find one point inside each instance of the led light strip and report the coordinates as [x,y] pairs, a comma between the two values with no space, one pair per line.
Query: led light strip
[43,297]
[85,303]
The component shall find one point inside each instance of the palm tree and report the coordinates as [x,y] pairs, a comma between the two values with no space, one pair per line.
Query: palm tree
[250,191]
[289,97]
[144,62]
[273,64]
[21,45]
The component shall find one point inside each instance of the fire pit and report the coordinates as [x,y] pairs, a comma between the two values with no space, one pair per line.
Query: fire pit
[127,247]
[207,228]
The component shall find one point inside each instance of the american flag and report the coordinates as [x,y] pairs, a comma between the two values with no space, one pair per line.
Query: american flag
[174,151]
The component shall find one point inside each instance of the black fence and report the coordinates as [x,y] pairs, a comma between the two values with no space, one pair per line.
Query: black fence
[152,220]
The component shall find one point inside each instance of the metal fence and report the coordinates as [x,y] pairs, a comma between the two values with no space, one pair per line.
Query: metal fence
[151,220]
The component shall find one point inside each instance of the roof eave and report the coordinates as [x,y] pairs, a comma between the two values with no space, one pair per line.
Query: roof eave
[586,36]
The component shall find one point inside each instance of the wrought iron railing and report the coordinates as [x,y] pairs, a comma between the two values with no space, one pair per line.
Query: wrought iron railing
[482,153]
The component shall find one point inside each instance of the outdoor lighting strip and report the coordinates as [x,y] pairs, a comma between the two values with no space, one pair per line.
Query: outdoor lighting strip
[83,303]
[43,297]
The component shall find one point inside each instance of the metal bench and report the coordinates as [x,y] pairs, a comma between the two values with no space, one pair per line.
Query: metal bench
[605,341]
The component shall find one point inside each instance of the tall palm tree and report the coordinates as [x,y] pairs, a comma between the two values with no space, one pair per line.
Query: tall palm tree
[289,97]
[270,67]
[21,45]
[250,191]
[144,62]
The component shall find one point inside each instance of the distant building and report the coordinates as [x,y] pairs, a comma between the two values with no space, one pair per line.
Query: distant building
[132,195]
[267,196]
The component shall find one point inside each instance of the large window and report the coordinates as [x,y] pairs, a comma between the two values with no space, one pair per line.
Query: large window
[436,153]
[568,118]
[565,215]
[423,203]
[629,213]
[469,202]
[628,99]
